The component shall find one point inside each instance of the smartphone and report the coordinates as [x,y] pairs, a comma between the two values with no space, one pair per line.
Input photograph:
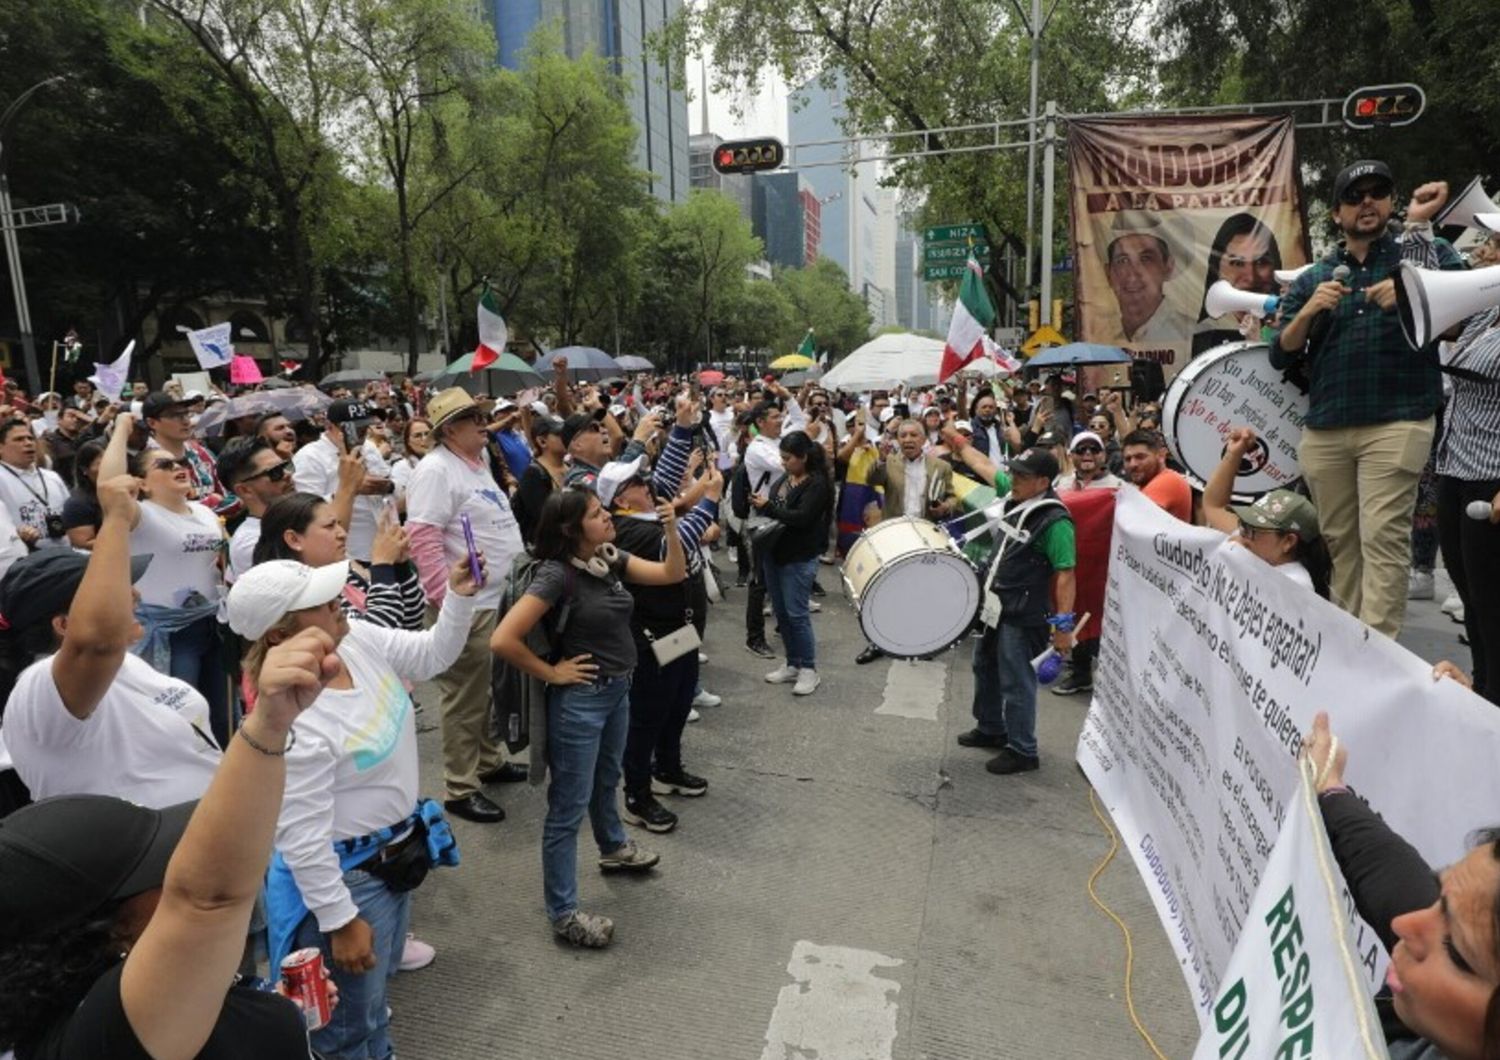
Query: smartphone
[388,510]
[475,570]
[351,436]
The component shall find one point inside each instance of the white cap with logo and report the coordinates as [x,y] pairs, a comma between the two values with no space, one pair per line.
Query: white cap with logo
[268,591]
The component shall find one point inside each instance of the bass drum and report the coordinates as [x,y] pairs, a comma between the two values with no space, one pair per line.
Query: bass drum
[915,592]
[1228,386]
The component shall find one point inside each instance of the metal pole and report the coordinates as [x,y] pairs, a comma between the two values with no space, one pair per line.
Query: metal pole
[443,310]
[1049,166]
[18,286]
[1036,64]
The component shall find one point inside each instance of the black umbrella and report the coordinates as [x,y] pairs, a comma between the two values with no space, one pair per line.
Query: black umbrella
[352,377]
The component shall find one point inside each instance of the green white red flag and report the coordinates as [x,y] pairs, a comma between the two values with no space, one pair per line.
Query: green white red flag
[493,334]
[973,316]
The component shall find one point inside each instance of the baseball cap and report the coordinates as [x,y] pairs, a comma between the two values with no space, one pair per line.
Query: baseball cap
[504,405]
[348,410]
[268,591]
[64,859]
[616,475]
[446,404]
[1137,223]
[43,584]
[1281,510]
[546,423]
[158,402]
[1047,439]
[1084,436]
[579,421]
[1367,167]
[1036,462]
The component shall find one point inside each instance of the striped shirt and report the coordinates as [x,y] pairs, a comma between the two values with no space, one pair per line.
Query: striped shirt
[1469,448]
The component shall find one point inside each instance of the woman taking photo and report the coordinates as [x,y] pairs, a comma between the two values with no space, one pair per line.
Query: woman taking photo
[578,583]
[801,501]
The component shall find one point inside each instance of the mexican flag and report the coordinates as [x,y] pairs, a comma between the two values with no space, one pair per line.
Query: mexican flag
[492,332]
[807,349]
[968,334]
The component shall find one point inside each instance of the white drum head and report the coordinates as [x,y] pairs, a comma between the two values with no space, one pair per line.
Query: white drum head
[919,604]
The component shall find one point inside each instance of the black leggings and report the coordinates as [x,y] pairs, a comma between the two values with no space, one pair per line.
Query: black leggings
[1471,552]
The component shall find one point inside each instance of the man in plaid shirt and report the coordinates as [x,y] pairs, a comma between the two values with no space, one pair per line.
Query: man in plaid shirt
[1369,425]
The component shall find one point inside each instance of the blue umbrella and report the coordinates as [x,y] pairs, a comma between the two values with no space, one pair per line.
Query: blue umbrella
[1076,353]
[585,363]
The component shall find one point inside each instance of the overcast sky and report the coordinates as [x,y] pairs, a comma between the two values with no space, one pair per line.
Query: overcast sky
[765,113]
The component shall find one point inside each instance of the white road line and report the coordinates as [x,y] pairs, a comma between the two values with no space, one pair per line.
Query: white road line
[835,1008]
[914,689]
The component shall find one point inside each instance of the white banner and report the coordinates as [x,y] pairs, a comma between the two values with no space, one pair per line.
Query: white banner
[1211,668]
[110,377]
[213,346]
[1295,986]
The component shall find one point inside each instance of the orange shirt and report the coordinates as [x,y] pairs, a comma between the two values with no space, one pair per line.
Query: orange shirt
[1171,491]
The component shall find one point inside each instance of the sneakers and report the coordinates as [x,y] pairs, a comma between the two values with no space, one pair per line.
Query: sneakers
[782,675]
[693,715]
[415,954]
[1008,762]
[807,682]
[644,811]
[585,929]
[705,698]
[628,858]
[1453,607]
[979,738]
[818,590]
[1419,585]
[680,783]
[761,648]
[702,659]
[1074,682]
[814,607]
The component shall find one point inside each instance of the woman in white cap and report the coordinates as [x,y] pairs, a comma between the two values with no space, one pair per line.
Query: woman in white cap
[353,839]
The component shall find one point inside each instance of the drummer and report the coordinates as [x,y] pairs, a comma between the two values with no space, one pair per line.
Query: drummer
[1281,527]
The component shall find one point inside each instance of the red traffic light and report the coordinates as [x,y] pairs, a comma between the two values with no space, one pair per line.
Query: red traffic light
[749,156]
[1384,106]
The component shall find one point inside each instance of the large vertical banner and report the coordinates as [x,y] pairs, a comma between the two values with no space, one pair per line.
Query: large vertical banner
[1165,207]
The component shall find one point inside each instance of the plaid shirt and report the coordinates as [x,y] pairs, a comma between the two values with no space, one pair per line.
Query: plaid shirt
[1365,371]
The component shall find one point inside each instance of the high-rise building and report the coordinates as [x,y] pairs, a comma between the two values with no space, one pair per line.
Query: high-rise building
[812,223]
[619,32]
[780,218]
[702,174]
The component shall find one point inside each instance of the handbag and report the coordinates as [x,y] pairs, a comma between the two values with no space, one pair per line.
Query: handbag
[676,644]
[762,531]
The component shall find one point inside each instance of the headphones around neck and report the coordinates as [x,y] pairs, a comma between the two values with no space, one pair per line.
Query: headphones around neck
[600,563]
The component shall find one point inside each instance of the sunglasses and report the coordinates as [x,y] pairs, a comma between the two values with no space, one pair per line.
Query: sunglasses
[1088,449]
[1355,196]
[170,464]
[274,473]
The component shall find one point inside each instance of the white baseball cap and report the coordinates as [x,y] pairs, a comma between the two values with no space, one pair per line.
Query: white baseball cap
[615,475]
[1085,436]
[268,591]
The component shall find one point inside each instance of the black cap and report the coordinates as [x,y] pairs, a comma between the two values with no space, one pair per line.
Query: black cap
[1367,167]
[1036,462]
[1048,438]
[65,859]
[159,401]
[348,410]
[541,425]
[43,584]
[580,421]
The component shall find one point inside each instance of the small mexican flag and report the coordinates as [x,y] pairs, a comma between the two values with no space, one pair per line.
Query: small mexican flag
[807,349]
[968,334]
[492,332]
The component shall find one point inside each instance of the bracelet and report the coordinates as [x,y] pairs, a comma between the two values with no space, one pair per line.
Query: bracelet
[1337,789]
[291,741]
[1062,622]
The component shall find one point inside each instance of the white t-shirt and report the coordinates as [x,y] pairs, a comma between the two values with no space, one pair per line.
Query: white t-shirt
[401,475]
[185,554]
[148,740]
[367,507]
[315,468]
[914,502]
[444,485]
[12,547]
[29,495]
[722,424]
[242,548]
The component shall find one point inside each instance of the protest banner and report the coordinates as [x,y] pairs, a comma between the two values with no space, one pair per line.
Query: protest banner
[1293,986]
[1210,670]
[213,346]
[1164,207]
[110,376]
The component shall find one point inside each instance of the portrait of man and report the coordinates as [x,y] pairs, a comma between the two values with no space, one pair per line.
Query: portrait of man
[1139,260]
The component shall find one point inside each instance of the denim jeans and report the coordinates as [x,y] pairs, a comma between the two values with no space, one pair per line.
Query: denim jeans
[586,729]
[1005,683]
[198,659]
[360,1028]
[660,698]
[790,589]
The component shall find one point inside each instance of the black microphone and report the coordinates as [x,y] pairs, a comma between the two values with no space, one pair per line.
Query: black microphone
[1324,320]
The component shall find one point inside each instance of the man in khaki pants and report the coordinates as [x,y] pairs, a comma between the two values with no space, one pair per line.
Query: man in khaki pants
[1373,396]
[451,481]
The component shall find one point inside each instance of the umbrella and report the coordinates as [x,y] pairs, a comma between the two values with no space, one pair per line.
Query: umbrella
[277,382]
[710,377]
[792,360]
[884,361]
[295,404]
[1075,353]
[631,363]
[585,363]
[352,377]
[504,375]
[801,376]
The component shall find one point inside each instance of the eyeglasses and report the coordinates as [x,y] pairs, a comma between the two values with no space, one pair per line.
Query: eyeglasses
[170,464]
[274,473]
[1355,196]
[1248,532]
[1093,449]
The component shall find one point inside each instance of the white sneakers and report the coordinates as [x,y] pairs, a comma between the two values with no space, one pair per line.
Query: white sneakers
[1419,585]
[1453,607]
[807,680]
[705,698]
[782,675]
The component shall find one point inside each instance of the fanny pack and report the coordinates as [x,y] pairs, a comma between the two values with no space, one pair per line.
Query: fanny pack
[403,865]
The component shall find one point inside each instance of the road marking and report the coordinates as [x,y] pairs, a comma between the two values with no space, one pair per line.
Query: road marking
[914,688]
[835,1008]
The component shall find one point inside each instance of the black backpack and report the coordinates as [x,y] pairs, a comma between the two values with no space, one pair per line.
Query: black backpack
[739,492]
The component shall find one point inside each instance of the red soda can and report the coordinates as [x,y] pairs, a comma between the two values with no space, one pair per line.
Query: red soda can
[303,973]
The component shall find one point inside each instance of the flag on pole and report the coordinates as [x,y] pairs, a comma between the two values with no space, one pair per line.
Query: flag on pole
[968,333]
[213,346]
[290,367]
[72,347]
[492,332]
[807,349]
[110,378]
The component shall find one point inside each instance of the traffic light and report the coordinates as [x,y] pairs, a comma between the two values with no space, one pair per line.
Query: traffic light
[749,156]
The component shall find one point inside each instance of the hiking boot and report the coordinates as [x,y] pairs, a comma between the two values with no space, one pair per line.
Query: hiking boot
[585,929]
[782,675]
[1009,761]
[679,783]
[1074,682]
[628,858]
[644,811]
[979,738]
[807,682]
[761,648]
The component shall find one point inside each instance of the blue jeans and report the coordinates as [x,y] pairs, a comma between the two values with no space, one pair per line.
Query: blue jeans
[1005,684]
[198,659]
[586,729]
[360,1028]
[790,589]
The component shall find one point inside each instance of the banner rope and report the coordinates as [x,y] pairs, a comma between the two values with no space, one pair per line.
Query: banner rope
[1114,846]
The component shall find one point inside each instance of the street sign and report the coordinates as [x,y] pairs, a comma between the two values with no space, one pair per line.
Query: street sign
[1046,335]
[934,253]
[951,270]
[1384,106]
[957,233]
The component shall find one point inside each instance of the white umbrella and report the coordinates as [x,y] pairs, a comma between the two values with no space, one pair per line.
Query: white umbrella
[297,404]
[886,360]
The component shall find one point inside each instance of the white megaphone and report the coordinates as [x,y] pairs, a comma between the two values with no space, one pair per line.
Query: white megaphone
[1490,222]
[1224,298]
[1430,301]
[1467,207]
[1289,276]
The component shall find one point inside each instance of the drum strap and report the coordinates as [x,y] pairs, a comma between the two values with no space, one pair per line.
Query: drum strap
[1012,535]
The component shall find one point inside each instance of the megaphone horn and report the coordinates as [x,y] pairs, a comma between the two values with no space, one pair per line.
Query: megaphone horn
[1289,276]
[1490,222]
[1430,301]
[1224,297]
[1463,210]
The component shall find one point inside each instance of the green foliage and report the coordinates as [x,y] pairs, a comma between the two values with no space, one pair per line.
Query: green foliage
[820,299]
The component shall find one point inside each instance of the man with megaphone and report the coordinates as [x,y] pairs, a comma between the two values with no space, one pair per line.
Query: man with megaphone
[1374,395]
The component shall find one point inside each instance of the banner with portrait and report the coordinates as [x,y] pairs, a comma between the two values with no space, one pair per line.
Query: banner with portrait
[1164,207]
